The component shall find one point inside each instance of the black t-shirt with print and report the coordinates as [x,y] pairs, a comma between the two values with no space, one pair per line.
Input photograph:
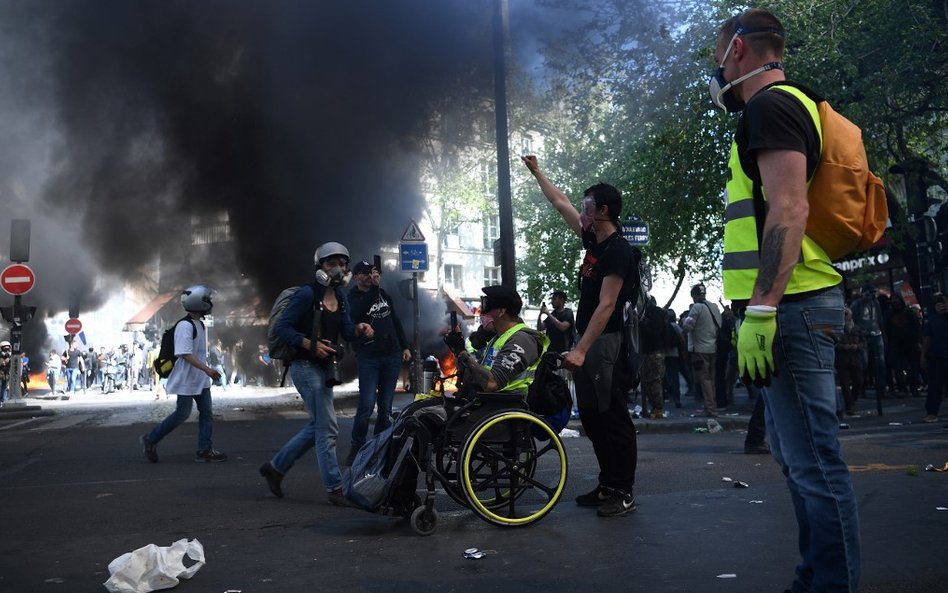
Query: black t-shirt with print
[775,120]
[614,256]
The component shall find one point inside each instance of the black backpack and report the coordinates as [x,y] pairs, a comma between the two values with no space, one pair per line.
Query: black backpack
[654,329]
[165,360]
[549,393]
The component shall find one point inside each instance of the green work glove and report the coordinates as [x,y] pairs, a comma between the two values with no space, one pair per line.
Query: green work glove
[755,345]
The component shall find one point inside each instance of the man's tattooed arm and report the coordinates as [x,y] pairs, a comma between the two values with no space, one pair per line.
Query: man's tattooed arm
[770,256]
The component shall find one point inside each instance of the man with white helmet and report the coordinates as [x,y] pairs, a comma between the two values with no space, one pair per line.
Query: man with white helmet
[314,320]
[6,350]
[190,379]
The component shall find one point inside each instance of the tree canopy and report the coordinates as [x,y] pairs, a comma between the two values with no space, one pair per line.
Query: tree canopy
[625,101]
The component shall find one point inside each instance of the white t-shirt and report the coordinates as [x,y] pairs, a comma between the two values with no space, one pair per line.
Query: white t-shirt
[186,379]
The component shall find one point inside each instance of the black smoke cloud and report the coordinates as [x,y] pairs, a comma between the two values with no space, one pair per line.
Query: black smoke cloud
[301,122]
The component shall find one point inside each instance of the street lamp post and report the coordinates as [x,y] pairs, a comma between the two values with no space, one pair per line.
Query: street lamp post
[507,260]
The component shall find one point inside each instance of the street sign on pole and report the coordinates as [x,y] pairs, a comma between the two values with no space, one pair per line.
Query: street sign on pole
[73,326]
[17,279]
[413,257]
[413,234]
[635,232]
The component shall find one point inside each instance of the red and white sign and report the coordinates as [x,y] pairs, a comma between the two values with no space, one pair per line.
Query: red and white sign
[73,326]
[17,279]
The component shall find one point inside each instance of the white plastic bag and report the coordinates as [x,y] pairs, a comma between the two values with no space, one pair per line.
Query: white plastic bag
[153,567]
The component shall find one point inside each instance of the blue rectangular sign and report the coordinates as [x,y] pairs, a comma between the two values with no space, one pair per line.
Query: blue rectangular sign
[413,257]
[636,232]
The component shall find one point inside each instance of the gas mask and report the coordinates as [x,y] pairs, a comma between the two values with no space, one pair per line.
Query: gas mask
[719,87]
[334,276]
[587,216]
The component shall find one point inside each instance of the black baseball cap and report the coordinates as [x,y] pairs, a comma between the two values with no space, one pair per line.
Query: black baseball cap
[362,267]
[498,296]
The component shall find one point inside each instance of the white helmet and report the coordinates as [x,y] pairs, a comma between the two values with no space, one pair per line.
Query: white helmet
[5,344]
[197,299]
[327,250]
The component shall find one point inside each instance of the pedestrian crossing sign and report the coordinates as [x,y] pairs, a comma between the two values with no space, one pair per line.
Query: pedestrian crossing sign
[413,234]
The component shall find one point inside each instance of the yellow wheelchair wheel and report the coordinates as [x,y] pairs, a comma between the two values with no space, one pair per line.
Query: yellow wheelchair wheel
[512,469]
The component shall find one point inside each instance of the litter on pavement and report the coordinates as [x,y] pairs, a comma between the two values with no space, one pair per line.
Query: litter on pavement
[932,468]
[152,567]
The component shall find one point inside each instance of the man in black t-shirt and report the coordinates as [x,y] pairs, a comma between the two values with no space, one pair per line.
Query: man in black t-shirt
[558,324]
[607,281]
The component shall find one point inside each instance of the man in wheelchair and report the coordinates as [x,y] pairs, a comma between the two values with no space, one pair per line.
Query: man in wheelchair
[505,366]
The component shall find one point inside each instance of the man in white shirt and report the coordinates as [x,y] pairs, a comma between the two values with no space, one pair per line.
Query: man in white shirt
[190,379]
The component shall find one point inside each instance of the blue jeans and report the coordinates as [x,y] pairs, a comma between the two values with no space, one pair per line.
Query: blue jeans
[378,376]
[319,432]
[52,378]
[181,413]
[72,380]
[800,413]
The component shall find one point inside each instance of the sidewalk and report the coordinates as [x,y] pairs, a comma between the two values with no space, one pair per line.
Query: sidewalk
[39,402]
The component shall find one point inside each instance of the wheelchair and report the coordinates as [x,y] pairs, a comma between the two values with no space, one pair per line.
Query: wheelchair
[487,451]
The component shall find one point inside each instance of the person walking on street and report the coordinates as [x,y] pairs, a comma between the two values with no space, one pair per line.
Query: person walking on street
[790,293]
[378,358]
[6,359]
[701,325]
[54,365]
[215,358]
[608,280]
[674,355]
[868,318]
[849,373]
[314,320]
[655,336]
[75,367]
[190,379]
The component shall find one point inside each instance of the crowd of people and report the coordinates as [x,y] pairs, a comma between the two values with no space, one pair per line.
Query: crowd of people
[130,367]
[882,350]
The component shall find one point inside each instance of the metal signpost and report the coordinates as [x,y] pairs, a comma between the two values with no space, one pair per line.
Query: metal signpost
[17,280]
[413,257]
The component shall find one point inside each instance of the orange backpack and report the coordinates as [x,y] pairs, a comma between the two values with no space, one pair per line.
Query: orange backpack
[848,211]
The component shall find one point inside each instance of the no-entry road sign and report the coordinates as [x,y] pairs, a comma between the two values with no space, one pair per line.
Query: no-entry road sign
[73,326]
[17,279]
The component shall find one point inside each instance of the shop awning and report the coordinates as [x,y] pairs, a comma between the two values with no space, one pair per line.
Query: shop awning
[457,305]
[140,319]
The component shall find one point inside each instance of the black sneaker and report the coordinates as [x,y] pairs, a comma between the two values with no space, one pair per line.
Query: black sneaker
[274,478]
[209,456]
[336,498]
[149,448]
[619,503]
[595,498]
[756,449]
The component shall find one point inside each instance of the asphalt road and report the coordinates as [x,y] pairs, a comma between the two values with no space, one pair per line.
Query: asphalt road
[75,493]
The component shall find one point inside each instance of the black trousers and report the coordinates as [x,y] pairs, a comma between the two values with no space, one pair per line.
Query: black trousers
[609,427]
[756,429]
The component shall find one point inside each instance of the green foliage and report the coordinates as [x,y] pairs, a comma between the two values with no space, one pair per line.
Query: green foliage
[626,102]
